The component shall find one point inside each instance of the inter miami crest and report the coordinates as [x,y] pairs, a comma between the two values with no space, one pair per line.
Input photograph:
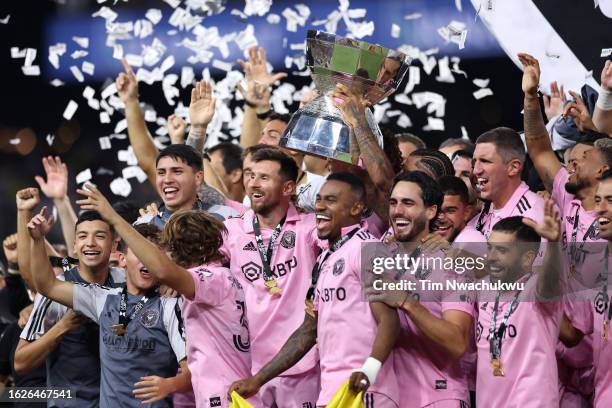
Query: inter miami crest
[288,239]
[601,303]
[338,267]
[149,318]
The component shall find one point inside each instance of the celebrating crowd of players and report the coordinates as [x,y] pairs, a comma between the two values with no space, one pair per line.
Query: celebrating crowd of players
[248,277]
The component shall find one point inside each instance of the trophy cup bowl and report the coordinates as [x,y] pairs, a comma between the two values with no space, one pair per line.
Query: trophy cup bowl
[372,70]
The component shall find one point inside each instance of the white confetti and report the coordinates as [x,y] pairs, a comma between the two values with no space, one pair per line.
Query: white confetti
[134,171]
[77,73]
[134,60]
[455,69]
[414,78]
[403,99]
[105,143]
[88,92]
[481,93]
[170,91]
[83,42]
[434,124]
[56,82]
[413,16]
[104,117]
[117,51]
[83,176]
[464,133]
[395,31]
[150,115]
[79,54]
[93,103]
[404,121]
[458,5]
[257,7]
[121,186]
[29,57]
[481,83]
[173,3]
[70,110]
[121,125]
[606,52]
[103,171]
[127,156]
[273,18]
[5,20]
[32,70]
[50,138]
[106,13]
[154,15]
[187,76]
[109,90]
[88,68]
[224,66]
[445,72]
[15,141]
[17,53]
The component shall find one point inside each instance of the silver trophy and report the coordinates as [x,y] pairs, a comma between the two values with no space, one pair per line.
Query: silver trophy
[375,71]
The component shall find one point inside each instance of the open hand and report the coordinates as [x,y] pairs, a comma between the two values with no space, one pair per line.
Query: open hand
[550,228]
[553,104]
[202,106]
[56,185]
[531,74]
[578,111]
[351,104]
[152,388]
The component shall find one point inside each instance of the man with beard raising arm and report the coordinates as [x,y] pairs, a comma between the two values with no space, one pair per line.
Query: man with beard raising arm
[355,338]
[271,250]
[435,329]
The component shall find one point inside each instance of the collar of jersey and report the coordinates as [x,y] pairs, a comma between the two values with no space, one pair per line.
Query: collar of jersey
[292,216]
[516,196]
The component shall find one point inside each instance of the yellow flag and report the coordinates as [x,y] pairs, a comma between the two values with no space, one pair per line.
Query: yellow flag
[346,398]
[238,401]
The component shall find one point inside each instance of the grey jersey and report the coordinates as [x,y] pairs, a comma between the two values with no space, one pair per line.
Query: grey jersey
[220,212]
[75,362]
[152,345]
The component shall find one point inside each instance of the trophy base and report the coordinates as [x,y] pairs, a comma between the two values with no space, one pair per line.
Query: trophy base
[318,129]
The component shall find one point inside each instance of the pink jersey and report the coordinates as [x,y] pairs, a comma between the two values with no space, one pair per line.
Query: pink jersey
[425,372]
[273,318]
[235,205]
[470,235]
[523,202]
[346,327]
[528,350]
[218,334]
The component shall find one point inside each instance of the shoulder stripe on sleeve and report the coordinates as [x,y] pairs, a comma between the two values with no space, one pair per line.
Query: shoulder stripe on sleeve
[38,319]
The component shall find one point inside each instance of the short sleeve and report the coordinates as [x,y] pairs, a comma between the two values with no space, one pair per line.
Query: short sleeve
[173,322]
[559,195]
[45,314]
[225,248]
[462,300]
[90,299]
[580,315]
[211,287]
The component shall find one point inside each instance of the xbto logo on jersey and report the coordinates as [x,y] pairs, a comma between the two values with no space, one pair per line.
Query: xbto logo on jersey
[253,271]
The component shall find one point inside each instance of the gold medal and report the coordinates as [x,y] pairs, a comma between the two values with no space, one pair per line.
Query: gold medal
[273,287]
[604,332]
[497,367]
[118,329]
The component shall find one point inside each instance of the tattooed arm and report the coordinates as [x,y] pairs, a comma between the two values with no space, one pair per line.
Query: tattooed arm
[536,135]
[375,160]
[296,347]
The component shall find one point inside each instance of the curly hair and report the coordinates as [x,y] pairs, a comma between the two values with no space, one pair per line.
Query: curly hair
[193,238]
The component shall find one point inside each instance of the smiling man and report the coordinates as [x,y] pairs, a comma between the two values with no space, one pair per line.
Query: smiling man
[451,223]
[140,343]
[73,358]
[498,160]
[179,175]
[355,338]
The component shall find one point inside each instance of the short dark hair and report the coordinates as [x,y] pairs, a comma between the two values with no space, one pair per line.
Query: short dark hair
[410,138]
[253,149]
[288,168]
[507,142]
[353,181]
[606,175]
[232,155]
[182,152]
[431,194]
[604,147]
[283,117]
[515,225]
[434,162]
[466,154]
[127,209]
[91,215]
[451,185]
[149,231]
[392,150]
[457,141]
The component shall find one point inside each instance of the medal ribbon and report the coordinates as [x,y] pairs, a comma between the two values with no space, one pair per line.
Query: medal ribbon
[573,249]
[124,319]
[495,336]
[266,254]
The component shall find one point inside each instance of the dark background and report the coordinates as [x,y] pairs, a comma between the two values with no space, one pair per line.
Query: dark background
[30,108]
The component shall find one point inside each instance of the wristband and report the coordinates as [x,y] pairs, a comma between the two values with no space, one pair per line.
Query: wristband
[370,368]
[264,115]
[604,100]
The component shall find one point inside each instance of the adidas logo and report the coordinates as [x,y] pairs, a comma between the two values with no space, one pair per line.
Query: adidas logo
[249,247]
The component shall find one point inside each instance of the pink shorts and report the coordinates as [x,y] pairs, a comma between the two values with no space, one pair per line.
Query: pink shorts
[293,391]
[375,400]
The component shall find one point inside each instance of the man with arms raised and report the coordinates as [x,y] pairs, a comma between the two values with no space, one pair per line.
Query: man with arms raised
[436,328]
[271,250]
[73,357]
[355,338]
[140,341]
[498,160]
[518,326]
